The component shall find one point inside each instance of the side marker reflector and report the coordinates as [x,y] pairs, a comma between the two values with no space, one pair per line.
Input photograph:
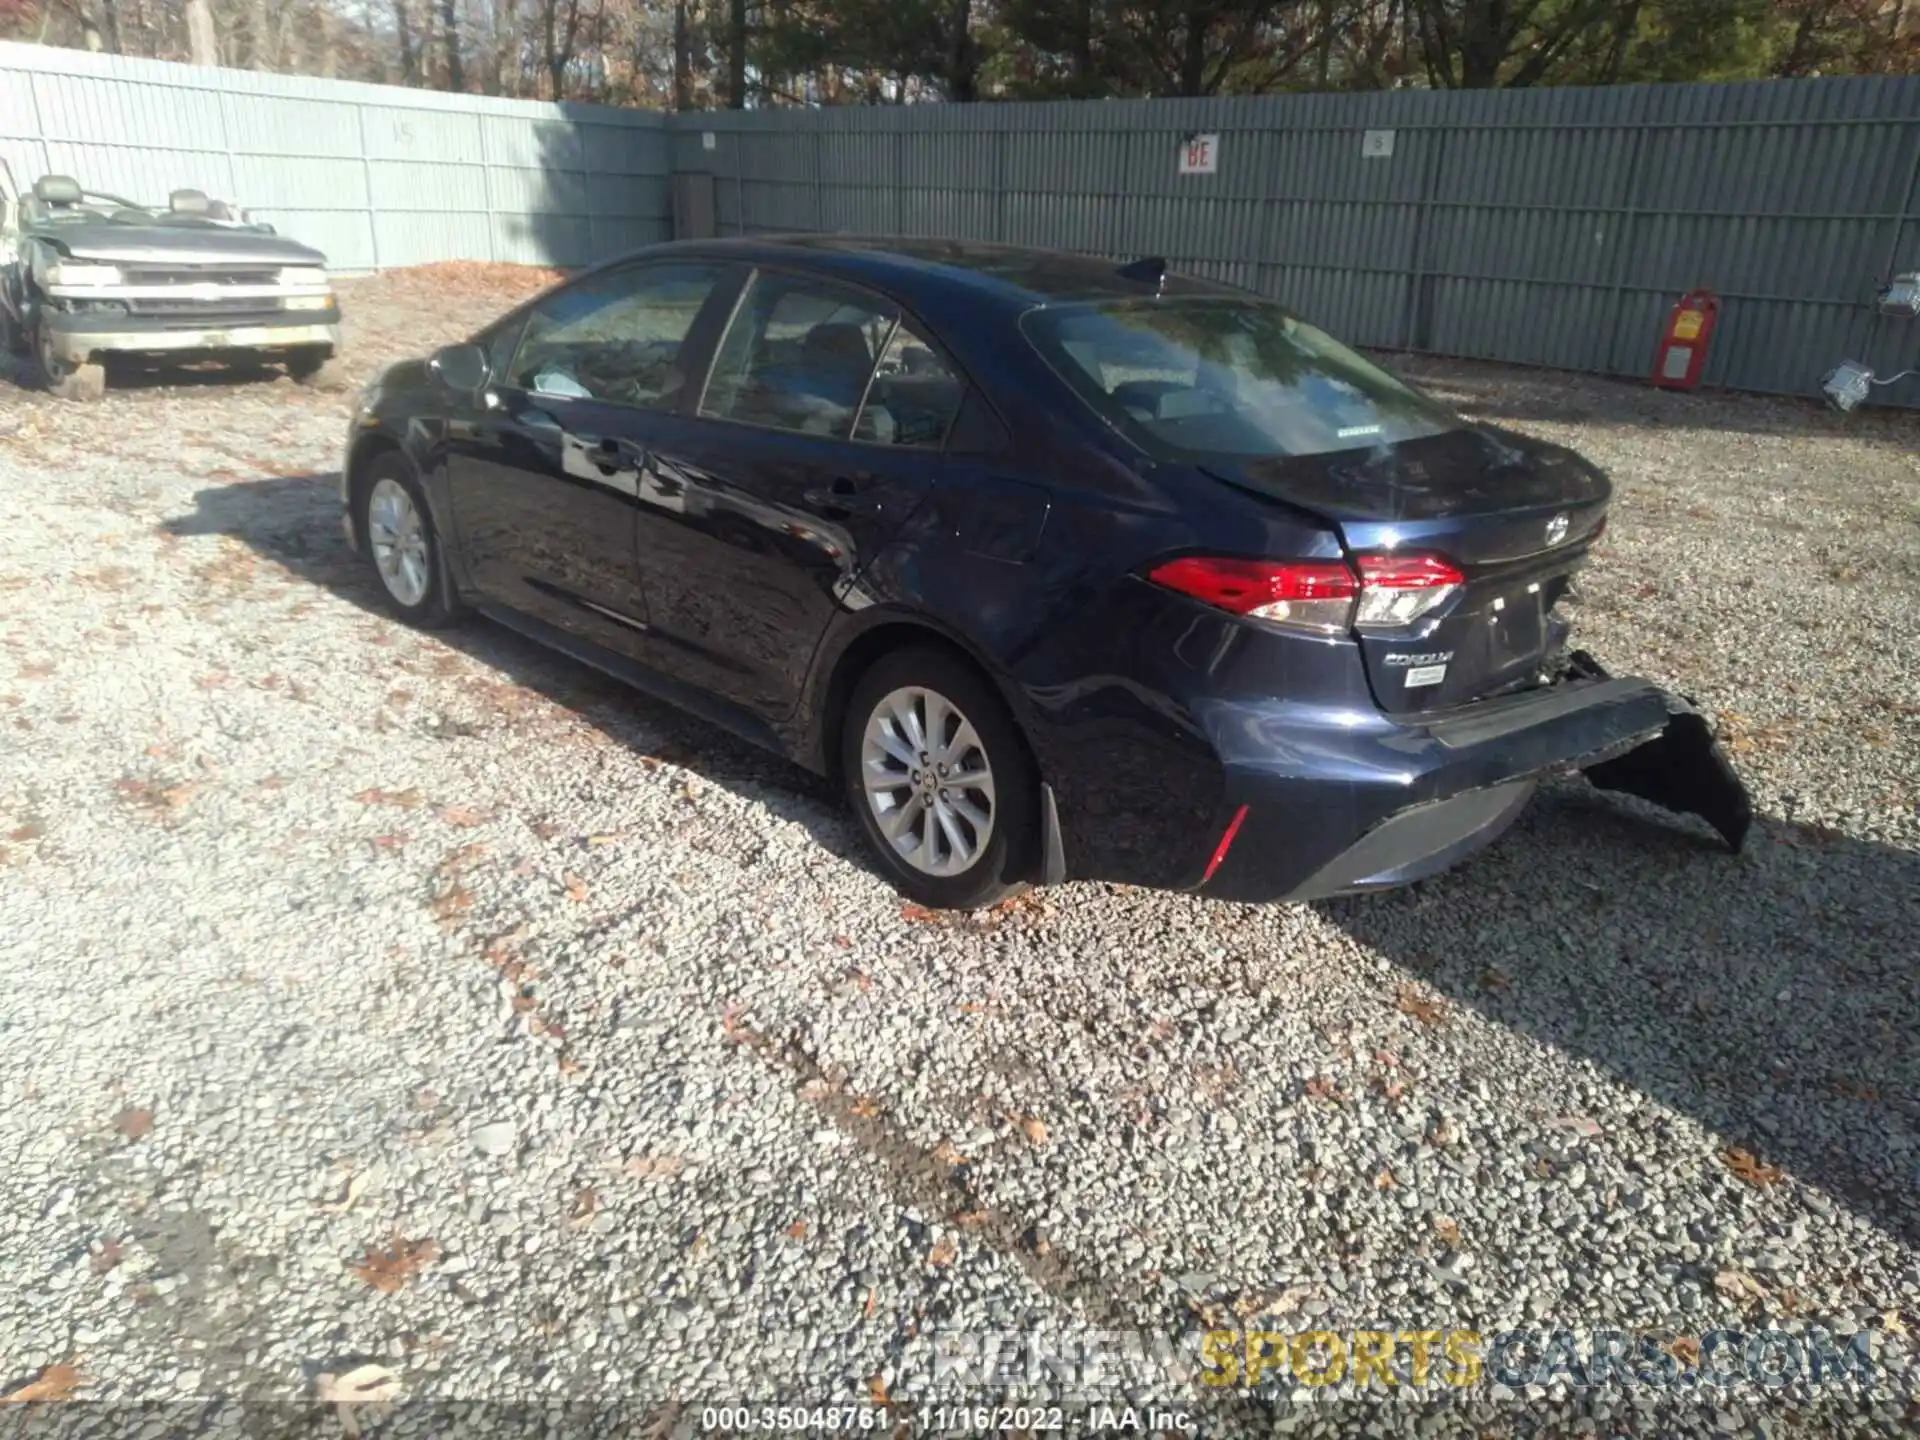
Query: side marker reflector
[1226,843]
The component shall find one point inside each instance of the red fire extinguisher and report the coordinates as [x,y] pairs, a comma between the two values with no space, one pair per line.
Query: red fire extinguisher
[1682,353]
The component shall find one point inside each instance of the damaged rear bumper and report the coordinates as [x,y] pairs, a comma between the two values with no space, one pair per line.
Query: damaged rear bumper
[1408,801]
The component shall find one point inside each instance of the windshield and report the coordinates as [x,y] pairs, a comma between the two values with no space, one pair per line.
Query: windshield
[1193,378]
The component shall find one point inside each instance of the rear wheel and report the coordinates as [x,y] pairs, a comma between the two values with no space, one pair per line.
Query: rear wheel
[398,535]
[65,380]
[938,777]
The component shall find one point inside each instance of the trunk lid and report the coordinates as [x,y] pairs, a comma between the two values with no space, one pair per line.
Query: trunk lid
[1515,516]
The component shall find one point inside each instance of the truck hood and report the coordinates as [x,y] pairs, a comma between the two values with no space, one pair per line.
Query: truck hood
[114,242]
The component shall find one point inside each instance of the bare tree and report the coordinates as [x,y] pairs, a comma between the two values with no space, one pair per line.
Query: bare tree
[203,46]
[450,39]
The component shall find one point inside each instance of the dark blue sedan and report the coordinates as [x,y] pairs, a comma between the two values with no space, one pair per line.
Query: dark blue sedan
[1064,569]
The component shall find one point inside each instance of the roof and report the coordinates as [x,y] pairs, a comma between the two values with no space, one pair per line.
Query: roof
[1008,274]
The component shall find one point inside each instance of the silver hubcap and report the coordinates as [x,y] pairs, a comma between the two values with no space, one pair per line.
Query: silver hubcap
[399,542]
[927,781]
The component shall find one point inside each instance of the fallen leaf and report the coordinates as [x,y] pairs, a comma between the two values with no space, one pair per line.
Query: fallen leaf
[842,942]
[388,1270]
[971,1219]
[866,1311]
[111,1253]
[389,842]
[133,1123]
[1749,1167]
[942,1253]
[355,1187]
[877,1390]
[1685,1349]
[405,799]
[576,887]
[1430,1013]
[453,901]
[1495,981]
[1738,1286]
[1891,1323]
[866,1107]
[797,1230]
[1035,1130]
[945,1155]
[919,915]
[1578,1124]
[1318,1087]
[55,1382]
[654,1167]
[1385,1181]
[460,816]
[586,1204]
[1448,1230]
[366,1388]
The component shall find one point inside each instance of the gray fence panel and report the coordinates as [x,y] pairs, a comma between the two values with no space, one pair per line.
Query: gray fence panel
[1549,227]
[375,176]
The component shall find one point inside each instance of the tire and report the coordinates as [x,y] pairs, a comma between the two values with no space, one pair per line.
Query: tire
[408,567]
[84,383]
[902,693]
[317,368]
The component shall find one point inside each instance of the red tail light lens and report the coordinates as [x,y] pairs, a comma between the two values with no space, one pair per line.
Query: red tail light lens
[1309,595]
[1323,596]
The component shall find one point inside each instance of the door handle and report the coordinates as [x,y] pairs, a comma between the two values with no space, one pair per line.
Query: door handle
[610,455]
[843,497]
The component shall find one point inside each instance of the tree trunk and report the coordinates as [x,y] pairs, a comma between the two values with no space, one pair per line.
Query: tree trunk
[737,56]
[1323,63]
[960,54]
[403,27]
[329,43]
[506,46]
[450,39]
[203,48]
[682,57]
[1193,57]
[259,27]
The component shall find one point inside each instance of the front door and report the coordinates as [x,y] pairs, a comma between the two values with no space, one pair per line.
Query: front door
[545,472]
[820,430]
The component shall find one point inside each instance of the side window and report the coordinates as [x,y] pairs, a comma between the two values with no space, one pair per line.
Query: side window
[616,337]
[501,345]
[798,356]
[914,396]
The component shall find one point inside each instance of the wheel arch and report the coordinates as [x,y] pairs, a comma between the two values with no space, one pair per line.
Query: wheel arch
[841,671]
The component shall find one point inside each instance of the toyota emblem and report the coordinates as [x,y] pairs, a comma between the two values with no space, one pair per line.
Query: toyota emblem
[1557,528]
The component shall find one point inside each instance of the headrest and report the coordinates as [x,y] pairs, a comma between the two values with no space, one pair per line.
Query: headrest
[841,340]
[57,190]
[189,202]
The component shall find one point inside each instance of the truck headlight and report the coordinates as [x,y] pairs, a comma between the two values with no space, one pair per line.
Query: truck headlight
[303,275]
[74,272]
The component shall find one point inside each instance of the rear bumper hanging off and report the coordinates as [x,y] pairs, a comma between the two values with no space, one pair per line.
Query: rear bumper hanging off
[1683,768]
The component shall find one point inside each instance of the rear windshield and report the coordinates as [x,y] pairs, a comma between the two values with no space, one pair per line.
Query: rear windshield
[1192,378]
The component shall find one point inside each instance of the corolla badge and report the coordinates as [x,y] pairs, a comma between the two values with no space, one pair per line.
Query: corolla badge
[1557,528]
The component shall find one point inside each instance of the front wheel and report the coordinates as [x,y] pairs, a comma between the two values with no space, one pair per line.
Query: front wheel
[67,381]
[397,533]
[939,779]
[315,366]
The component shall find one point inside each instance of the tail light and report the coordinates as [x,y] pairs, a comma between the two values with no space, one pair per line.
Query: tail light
[1322,596]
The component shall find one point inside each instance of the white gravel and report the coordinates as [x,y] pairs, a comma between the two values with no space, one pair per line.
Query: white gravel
[323,937]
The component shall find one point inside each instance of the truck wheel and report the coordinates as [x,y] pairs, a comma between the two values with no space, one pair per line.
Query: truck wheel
[65,381]
[316,367]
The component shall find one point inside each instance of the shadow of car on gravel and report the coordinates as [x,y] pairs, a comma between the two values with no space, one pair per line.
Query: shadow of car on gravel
[294,522]
[1771,997]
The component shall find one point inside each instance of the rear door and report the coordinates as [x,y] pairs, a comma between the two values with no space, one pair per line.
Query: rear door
[545,475]
[819,432]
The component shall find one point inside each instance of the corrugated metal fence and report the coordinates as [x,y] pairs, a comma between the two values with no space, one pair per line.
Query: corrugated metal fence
[1549,227]
[374,175]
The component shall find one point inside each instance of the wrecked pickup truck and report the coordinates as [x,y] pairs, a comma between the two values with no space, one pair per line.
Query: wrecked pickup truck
[86,275]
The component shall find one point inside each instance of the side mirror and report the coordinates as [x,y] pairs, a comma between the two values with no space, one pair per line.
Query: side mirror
[462,367]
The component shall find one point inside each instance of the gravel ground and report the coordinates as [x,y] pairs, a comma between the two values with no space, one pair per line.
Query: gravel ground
[431,1002]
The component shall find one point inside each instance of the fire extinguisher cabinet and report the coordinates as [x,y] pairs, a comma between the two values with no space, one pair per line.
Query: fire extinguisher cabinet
[1682,352]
